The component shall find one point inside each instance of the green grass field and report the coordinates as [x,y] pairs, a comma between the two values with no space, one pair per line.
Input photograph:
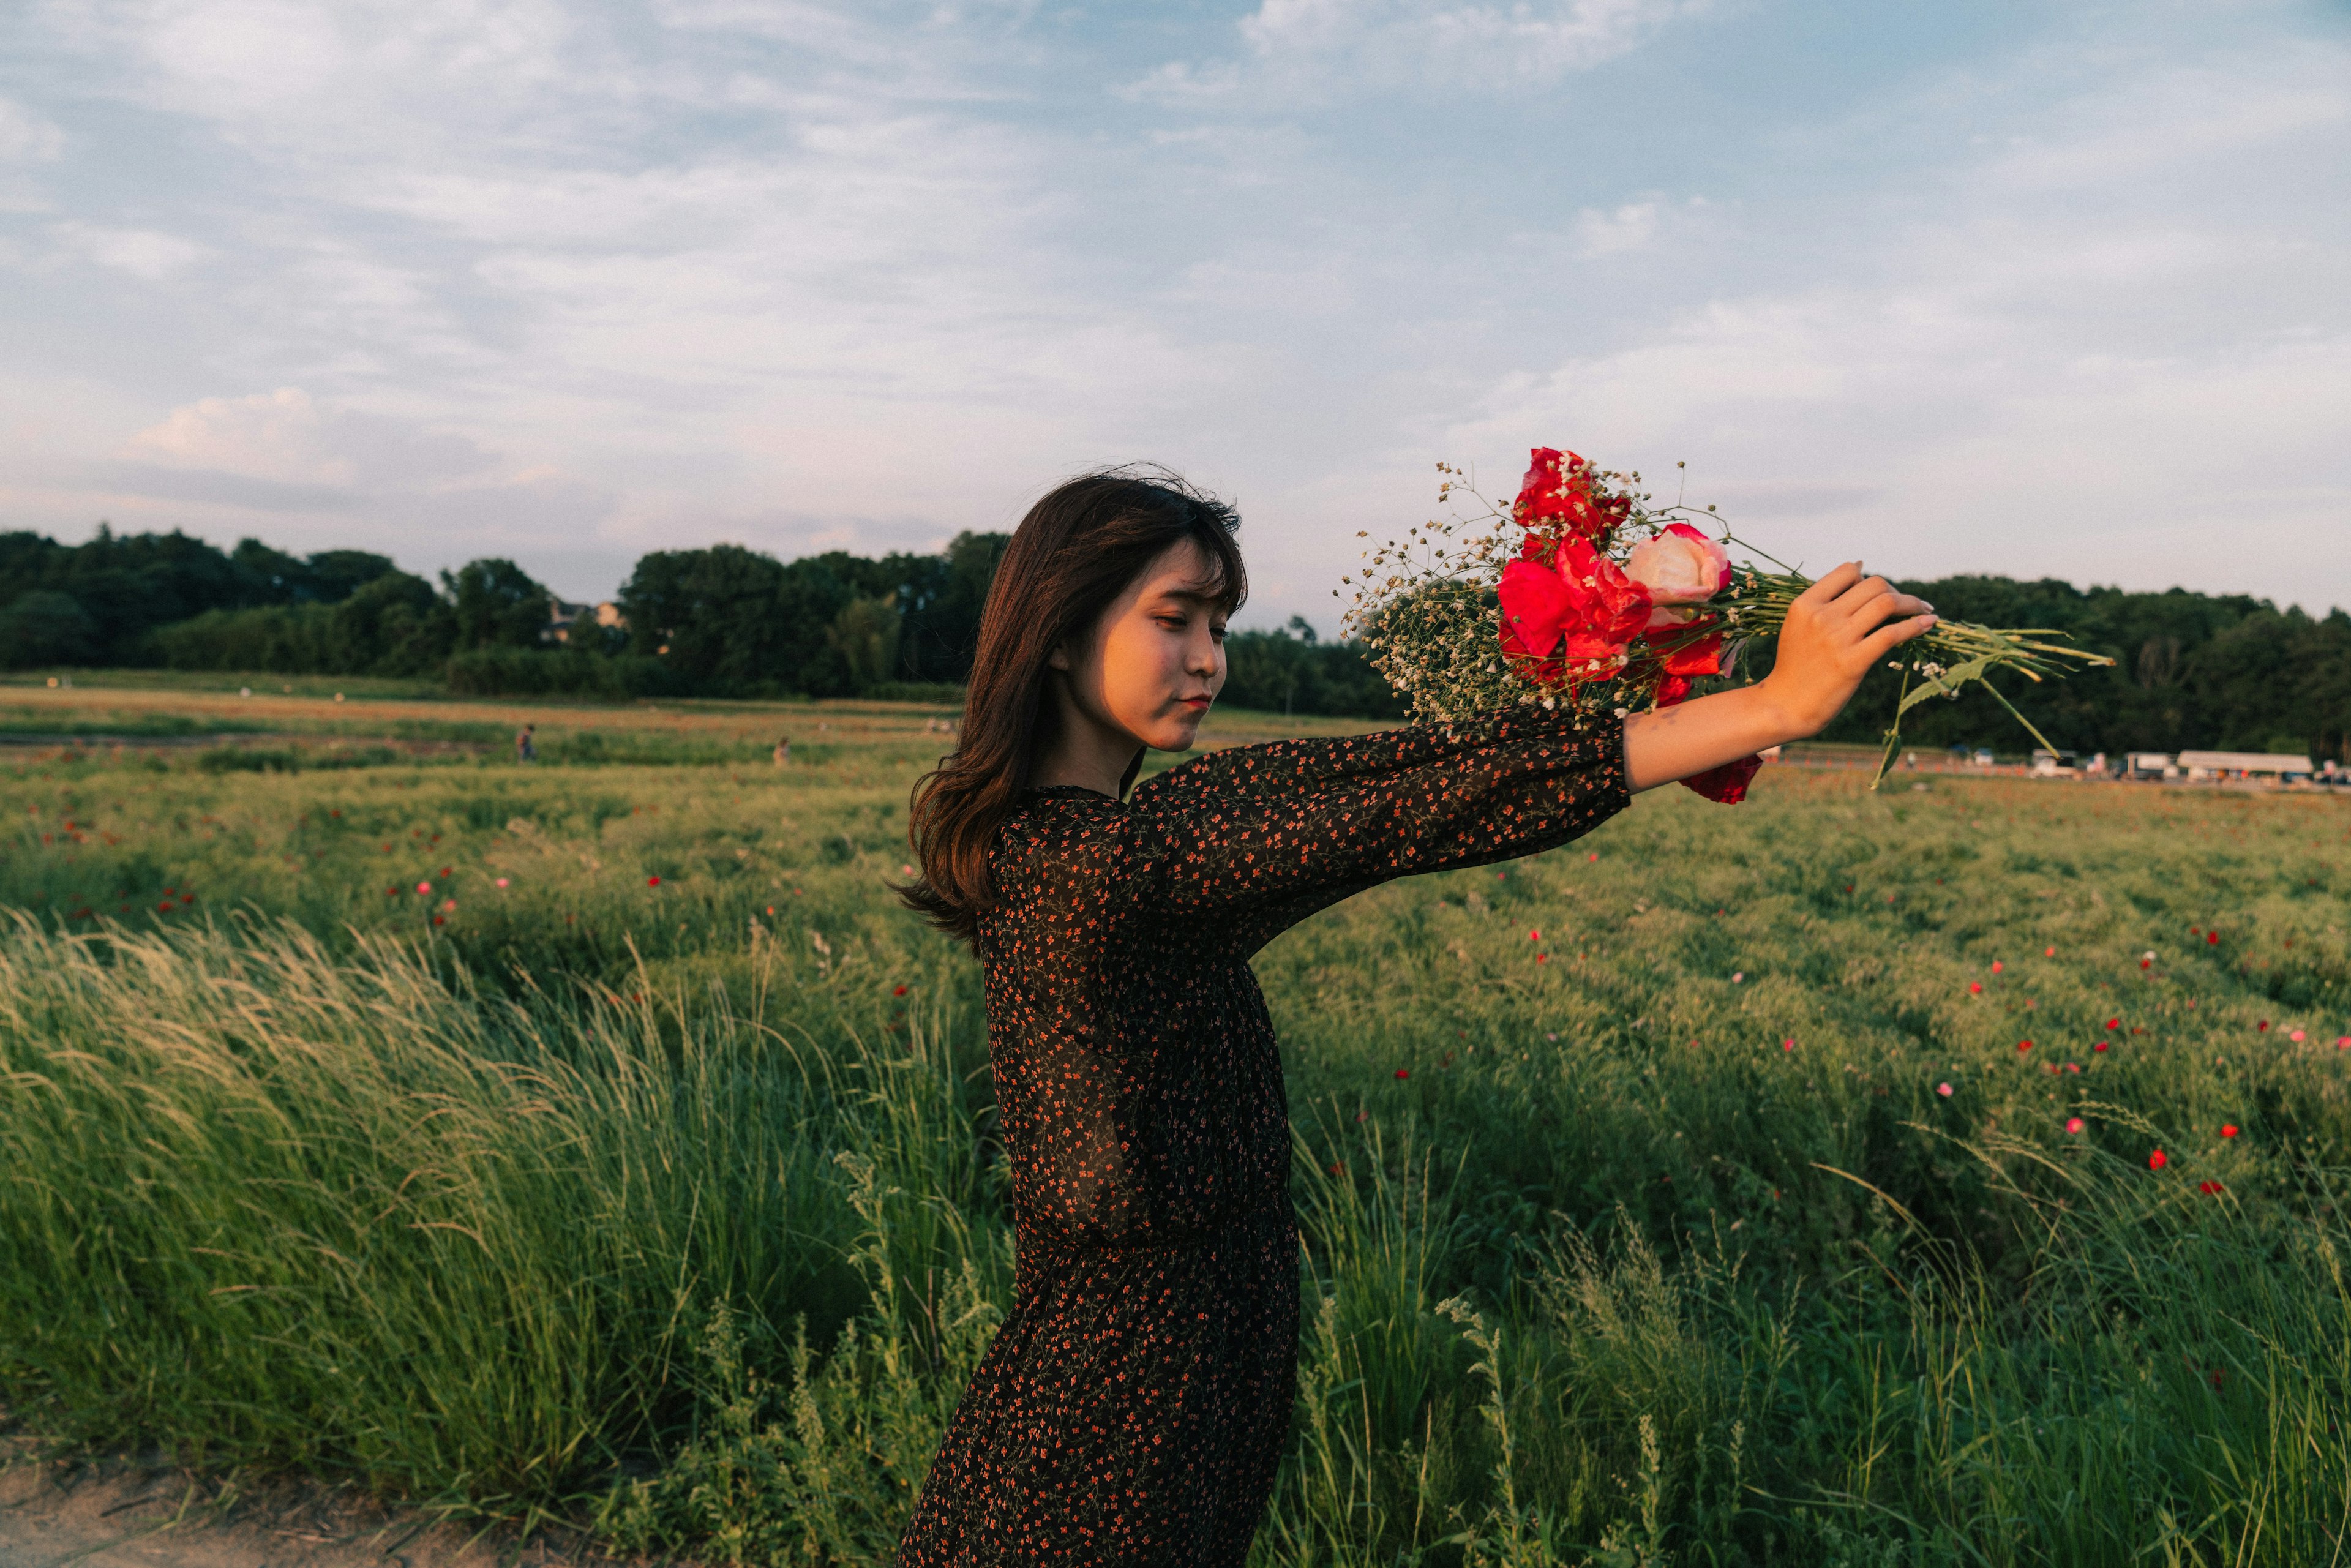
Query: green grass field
[597,1140]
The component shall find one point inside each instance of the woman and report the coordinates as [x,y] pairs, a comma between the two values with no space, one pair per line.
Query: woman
[1132,1408]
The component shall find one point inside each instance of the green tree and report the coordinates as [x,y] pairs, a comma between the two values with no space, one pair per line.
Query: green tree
[497,604]
[710,616]
[46,627]
[865,636]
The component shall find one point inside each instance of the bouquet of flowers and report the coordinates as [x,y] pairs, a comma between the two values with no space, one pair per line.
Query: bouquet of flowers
[1582,592]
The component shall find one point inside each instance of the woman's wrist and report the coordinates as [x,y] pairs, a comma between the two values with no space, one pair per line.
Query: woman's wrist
[1663,745]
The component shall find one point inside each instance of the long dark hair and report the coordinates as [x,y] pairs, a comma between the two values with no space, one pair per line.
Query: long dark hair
[1073,554]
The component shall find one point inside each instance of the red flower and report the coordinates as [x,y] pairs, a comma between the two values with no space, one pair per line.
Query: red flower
[2157,1160]
[1975,987]
[2212,938]
[653,881]
[1571,611]
[1404,1073]
[2024,1045]
[2263,1026]
[2210,1188]
[899,992]
[1558,490]
[1702,657]
[1725,785]
[2100,1046]
[2113,1023]
[2228,1129]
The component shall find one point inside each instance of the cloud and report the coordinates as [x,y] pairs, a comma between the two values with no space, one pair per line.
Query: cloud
[1635,227]
[1530,42]
[288,438]
[26,137]
[145,253]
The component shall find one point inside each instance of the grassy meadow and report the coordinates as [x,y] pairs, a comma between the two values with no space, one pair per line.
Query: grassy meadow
[1950,1176]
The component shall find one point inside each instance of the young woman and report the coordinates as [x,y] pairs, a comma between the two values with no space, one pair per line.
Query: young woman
[1133,1407]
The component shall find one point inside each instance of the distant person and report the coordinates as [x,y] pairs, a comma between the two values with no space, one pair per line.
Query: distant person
[1134,1406]
[784,752]
[525,747]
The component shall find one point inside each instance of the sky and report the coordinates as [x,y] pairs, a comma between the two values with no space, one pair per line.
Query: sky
[2046,290]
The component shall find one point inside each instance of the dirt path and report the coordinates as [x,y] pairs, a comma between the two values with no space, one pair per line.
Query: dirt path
[129,1516]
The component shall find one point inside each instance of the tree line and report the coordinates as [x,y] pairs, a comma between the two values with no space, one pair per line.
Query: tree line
[2226,672]
[717,622]
[2217,672]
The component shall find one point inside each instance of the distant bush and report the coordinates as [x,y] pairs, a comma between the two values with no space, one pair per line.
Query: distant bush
[945,694]
[537,672]
[1292,672]
[44,627]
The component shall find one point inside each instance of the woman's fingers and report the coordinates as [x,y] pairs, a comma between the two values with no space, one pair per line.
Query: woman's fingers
[1885,639]
[1829,586]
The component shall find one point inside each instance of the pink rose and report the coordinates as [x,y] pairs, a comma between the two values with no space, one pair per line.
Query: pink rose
[1680,566]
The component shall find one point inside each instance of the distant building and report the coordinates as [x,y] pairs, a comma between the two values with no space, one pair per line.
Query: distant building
[562,616]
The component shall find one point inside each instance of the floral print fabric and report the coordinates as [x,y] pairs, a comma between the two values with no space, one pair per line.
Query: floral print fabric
[1133,1408]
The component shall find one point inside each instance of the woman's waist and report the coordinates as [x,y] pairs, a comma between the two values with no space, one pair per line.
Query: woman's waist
[1042,1240]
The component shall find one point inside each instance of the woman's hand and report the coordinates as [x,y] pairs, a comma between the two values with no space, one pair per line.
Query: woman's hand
[1837,631]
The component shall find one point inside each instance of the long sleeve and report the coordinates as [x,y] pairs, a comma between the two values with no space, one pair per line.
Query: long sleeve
[1263,836]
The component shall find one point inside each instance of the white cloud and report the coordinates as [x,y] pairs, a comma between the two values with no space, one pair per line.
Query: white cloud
[145,253]
[26,137]
[1529,40]
[287,437]
[1635,226]
[1321,50]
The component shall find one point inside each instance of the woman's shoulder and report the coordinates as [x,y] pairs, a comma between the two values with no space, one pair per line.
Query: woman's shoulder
[1054,825]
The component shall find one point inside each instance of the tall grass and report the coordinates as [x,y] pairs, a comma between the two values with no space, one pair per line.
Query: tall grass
[1666,1249]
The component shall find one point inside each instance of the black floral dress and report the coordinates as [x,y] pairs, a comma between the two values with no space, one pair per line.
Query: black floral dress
[1133,1407]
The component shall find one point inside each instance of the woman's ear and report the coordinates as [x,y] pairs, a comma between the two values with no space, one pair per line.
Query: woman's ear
[1059,659]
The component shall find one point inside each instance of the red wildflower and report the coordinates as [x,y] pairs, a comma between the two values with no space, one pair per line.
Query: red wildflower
[653,881]
[1558,495]
[1997,965]
[2157,1160]
[2228,1129]
[1404,1073]
[2212,938]
[2099,1046]
[2263,1026]
[1534,936]
[1572,616]
[1725,785]
[2208,1188]
[2024,1045]
[1975,987]
[2049,952]
[2074,1124]
[2113,1023]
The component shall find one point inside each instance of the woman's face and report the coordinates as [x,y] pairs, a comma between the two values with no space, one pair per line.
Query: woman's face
[1155,660]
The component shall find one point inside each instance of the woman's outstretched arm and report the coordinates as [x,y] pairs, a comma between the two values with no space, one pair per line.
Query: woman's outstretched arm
[1837,630]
